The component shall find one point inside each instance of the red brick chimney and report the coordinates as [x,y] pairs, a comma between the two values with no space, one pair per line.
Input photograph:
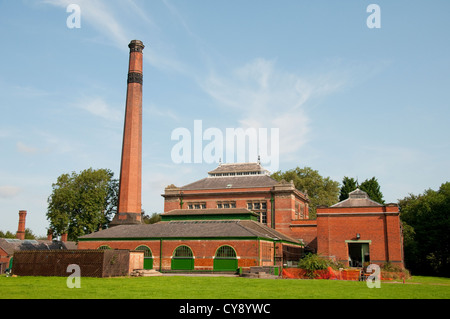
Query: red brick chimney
[64,237]
[49,235]
[129,205]
[21,230]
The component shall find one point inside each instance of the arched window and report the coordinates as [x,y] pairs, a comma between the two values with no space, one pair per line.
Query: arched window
[148,257]
[183,258]
[225,259]
[104,247]
[225,252]
[183,252]
[147,251]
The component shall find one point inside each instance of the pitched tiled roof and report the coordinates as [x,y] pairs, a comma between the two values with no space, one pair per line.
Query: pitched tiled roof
[231,182]
[192,229]
[265,231]
[357,198]
[238,167]
[11,245]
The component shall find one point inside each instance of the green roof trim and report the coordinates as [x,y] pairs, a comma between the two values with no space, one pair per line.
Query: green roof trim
[187,238]
[210,217]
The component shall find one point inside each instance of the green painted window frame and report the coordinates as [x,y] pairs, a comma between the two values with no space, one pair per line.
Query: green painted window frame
[356,241]
[225,252]
[183,251]
[146,249]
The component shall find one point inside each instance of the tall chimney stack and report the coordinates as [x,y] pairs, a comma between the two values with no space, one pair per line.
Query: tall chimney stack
[129,204]
[21,230]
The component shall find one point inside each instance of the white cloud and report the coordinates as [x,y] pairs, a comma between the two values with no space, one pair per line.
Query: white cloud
[98,107]
[110,18]
[163,112]
[58,143]
[265,97]
[9,191]
[25,149]
[100,16]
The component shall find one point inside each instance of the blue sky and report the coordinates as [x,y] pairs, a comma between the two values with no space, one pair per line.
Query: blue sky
[348,100]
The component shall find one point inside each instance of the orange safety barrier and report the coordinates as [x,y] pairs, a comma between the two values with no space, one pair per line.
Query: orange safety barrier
[329,273]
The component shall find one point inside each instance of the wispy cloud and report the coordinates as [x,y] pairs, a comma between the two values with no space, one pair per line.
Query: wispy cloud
[154,110]
[99,107]
[110,19]
[264,96]
[25,149]
[9,191]
[100,15]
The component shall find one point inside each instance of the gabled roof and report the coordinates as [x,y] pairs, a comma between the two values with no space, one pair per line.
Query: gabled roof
[357,198]
[239,168]
[231,182]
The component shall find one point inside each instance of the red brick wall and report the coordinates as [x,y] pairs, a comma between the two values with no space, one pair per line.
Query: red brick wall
[284,207]
[336,225]
[4,256]
[248,252]
[306,230]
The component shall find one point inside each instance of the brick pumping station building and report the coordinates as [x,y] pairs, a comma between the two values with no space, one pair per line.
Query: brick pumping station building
[237,216]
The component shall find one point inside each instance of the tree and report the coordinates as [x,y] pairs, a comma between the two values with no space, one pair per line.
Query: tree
[153,219]
[82,203]
[321,191]
[426,218]
[349,184]
[28,234]
[370,186]
[8,234]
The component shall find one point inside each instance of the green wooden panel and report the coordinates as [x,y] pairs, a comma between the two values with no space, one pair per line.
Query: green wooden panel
[182,264]
[276,271]
[148,263]
[225,264]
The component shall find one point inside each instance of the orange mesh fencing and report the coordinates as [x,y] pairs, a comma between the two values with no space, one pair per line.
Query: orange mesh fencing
[329,273]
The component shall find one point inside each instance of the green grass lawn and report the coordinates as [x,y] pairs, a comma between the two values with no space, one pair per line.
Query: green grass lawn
[185,287]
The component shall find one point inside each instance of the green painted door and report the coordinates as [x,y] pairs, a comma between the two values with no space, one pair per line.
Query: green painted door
[225,259]
[225,264]
[182,264]
[148,263]
[182,259]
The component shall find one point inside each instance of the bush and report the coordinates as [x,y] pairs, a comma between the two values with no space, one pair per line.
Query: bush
[313,262]
[388,270]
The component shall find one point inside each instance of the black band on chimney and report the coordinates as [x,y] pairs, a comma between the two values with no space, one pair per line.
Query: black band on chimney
[134,77]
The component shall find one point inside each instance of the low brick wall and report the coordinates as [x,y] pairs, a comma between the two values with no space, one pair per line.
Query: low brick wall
[92,263]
